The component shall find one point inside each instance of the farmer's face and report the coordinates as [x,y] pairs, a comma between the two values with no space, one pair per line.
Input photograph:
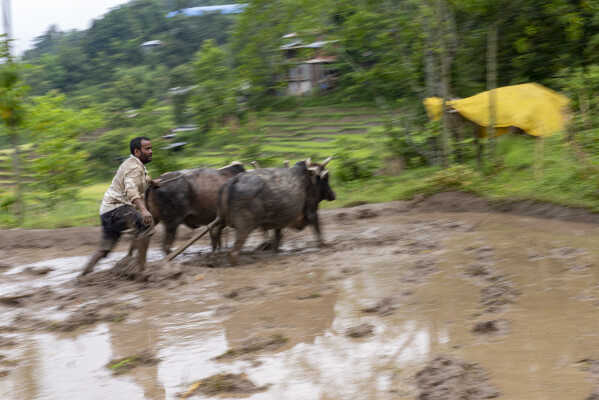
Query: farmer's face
[145,153]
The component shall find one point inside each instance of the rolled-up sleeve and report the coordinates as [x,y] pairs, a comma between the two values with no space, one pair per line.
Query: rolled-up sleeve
[133,181]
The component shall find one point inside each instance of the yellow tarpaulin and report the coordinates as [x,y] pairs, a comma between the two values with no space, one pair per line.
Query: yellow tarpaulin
[535,109]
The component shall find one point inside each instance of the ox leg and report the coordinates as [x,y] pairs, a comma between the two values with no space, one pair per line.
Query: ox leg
[314,221]
[240,238]
[215,237]
[266,244]
[170,232]
[277,240]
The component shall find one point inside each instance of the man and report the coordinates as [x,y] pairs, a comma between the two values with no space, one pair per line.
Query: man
[123,205]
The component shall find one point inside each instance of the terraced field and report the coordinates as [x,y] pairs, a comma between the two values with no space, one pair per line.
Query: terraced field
[309,132]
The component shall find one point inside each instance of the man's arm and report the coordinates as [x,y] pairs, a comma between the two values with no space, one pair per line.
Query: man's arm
[132,182]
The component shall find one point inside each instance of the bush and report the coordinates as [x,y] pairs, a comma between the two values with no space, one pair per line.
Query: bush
[457,177]
[349,169]
[350,162]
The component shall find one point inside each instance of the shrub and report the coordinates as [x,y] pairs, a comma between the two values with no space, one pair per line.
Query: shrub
[457,177]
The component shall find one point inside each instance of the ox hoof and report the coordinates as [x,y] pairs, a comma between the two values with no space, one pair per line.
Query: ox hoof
[264,246]
[233,258]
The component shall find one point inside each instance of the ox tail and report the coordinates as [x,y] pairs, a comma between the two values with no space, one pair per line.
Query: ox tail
[195,238]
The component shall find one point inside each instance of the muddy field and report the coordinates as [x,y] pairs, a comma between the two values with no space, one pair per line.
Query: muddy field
[449,297]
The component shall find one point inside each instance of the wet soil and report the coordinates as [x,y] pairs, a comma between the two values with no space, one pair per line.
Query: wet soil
[444,297]
[446,378]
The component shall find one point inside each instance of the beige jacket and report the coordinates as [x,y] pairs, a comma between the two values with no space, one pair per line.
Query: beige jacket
[129,184]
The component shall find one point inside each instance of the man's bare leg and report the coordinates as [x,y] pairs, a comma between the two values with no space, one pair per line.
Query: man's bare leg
[97,256]
[142,243]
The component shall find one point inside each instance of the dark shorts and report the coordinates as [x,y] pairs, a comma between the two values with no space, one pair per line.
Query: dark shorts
[114,222]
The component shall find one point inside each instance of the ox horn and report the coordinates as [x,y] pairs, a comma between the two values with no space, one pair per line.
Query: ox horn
[325,162]
[232,164]
[324,174]
[308,162]
[286,163]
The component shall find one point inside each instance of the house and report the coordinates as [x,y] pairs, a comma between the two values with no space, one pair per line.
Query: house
[310,68]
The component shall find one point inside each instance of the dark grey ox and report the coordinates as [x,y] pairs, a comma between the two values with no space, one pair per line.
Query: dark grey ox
[273,198]
[187,197]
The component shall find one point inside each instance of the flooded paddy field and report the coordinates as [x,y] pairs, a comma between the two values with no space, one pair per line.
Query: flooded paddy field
[407,301]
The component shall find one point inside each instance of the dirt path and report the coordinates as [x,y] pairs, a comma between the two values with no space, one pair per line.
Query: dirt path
[405,303]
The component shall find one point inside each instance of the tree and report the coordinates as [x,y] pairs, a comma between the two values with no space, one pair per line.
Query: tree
[12,98]
[60,165]
[215,96]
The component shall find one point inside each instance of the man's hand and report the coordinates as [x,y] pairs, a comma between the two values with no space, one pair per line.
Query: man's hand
[147,217]
[145,214]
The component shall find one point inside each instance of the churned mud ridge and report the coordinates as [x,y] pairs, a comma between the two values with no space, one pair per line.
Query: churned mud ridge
[467,202]
[78,317]
[447,378]
[254,345]
[360,331]
[236,384]
[591,366]
[126,364]
[496,327]
[384,307]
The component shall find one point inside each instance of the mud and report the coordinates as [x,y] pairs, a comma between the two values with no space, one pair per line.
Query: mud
[360,331]
[384,307]
[224,384]
[447,378]
[126,364]
[254,345]
[493,327]
[510,302]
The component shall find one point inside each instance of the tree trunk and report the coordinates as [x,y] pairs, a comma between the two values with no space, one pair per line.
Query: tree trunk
[491,86]
[16,164]
[445,66]
[431,75]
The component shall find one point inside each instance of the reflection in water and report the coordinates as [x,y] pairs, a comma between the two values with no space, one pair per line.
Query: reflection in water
[131,338]
[59,368]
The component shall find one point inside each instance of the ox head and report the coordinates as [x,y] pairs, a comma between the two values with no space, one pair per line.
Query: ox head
[319,175]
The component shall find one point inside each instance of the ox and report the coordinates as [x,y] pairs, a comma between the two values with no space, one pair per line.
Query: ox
[273,198]
[187,197]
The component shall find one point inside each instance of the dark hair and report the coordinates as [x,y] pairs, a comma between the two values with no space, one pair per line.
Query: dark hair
[135,143]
